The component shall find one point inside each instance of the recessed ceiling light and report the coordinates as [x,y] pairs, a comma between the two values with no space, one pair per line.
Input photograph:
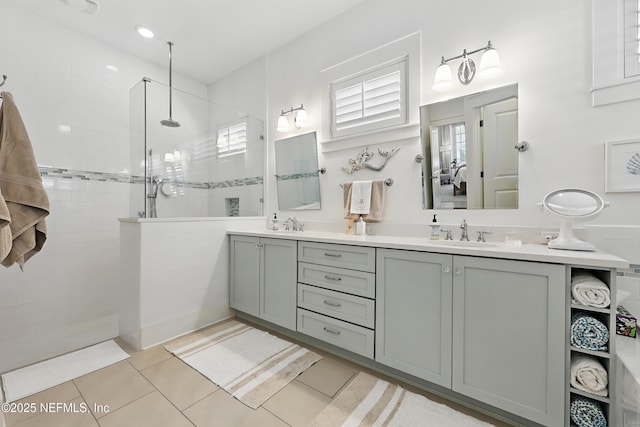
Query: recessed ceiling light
[111,68]
[144,32]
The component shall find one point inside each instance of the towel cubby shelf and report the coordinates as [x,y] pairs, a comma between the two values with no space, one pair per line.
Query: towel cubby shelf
[601,408]
[590,396]
[593,309]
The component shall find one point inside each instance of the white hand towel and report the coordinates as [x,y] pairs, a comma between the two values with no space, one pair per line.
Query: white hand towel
[588,374]
[361,197]
[587,289]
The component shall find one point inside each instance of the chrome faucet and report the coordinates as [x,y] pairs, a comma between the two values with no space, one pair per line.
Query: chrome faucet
[294,223]
[464,236]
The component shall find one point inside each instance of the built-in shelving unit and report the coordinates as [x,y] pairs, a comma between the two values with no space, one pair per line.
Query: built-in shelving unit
[608,317]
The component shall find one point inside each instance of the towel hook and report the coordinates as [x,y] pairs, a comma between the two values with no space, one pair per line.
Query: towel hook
[4,79]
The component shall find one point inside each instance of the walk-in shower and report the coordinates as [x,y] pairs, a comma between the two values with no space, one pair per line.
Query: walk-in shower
[209,166]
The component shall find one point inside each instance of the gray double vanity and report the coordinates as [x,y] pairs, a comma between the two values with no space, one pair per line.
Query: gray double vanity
[483,323]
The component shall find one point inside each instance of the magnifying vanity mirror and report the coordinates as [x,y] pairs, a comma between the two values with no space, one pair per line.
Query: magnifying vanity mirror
[297,173]
[468,149]
[571,205]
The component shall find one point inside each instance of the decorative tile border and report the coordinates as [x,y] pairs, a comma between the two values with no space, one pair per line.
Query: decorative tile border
[632,271]
[63,173]
[297,176]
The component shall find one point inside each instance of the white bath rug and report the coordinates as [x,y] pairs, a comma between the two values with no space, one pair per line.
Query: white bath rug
[250,364]
[371,402]
[32,379]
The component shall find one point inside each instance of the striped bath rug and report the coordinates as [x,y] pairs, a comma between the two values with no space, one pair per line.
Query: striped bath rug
[369,401]
[250,364]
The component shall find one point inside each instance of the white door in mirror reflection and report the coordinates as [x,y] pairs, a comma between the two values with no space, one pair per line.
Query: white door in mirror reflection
[500,135]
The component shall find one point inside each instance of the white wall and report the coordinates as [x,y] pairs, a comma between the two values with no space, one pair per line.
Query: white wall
[67,296]
[545,48]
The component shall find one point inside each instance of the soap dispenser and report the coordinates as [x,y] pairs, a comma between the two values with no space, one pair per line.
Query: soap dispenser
[274,222]
[435,229]
[360,226]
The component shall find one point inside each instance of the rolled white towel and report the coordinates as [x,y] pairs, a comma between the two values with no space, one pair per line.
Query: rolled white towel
[587,289]
[588,374]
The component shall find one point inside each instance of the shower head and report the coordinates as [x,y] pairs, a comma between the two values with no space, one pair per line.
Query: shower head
[170,122]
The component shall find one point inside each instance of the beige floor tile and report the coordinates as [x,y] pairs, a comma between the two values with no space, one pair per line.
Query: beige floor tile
[74,414]
[220,409]
[327,376]
[113,386]
[146,358]
[152,410]
[178,382]
[297,404]
[64,392]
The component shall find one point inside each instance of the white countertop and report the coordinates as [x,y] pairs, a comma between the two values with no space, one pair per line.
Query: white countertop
[525,252]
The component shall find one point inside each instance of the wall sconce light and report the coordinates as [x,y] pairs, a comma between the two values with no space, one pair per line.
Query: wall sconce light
[299,121]
[489,67]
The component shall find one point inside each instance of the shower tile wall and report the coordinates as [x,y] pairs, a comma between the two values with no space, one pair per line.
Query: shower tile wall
[76,114]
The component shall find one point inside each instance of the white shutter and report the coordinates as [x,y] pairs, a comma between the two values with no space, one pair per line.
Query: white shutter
[631,38]
[370,101]
[232,139]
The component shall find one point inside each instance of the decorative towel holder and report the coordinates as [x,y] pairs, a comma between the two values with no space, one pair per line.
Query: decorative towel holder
[362,160]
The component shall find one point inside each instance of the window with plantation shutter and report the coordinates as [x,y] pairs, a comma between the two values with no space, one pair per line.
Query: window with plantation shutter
[371,100]
[616,51]
[631,38]
[232,139]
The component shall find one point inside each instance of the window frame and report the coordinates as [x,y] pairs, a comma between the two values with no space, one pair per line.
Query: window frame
[361,79]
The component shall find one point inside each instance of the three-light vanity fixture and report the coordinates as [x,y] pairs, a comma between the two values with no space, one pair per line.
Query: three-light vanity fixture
[299,121]
[489,67]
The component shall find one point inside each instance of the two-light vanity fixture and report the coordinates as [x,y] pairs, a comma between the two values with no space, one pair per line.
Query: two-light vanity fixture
[299,121]
[489,67]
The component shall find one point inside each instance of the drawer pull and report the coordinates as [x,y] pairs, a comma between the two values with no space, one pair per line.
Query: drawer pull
[335,279]
[331,331]
[333,255]
[332,304]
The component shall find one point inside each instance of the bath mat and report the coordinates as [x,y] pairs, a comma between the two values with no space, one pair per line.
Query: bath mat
[250,364]
[32,379]
[369,401]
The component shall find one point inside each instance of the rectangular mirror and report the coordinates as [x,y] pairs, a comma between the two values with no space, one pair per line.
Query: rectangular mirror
[468,148]
[297,173]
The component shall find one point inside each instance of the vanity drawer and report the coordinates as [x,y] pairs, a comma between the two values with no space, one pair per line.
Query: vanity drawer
[336,304]
[345,256]
[342,334]
[338,279]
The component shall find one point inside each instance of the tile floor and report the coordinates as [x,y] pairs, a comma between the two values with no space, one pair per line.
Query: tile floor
[153,388]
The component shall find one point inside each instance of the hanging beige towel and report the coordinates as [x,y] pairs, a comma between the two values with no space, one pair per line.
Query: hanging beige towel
[21,186]
[376,208]
[5,229]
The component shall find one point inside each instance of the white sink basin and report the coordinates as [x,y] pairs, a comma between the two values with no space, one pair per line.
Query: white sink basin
[464,244]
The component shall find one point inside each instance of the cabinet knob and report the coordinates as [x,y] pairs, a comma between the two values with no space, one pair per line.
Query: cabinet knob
[446,268]
[457,270]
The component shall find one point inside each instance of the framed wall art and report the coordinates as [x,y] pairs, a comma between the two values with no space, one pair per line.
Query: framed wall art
[622,166]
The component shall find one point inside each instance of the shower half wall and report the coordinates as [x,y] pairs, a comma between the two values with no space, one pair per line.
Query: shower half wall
[210,166]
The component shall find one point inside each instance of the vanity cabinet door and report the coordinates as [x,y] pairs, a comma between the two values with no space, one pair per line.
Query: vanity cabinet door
[262,278]
[278,274]
[413,313]
[244,274]
[508,335]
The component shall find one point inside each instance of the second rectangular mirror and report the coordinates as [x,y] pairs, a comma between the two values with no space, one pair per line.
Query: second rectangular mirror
[297,173]
[469,155]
